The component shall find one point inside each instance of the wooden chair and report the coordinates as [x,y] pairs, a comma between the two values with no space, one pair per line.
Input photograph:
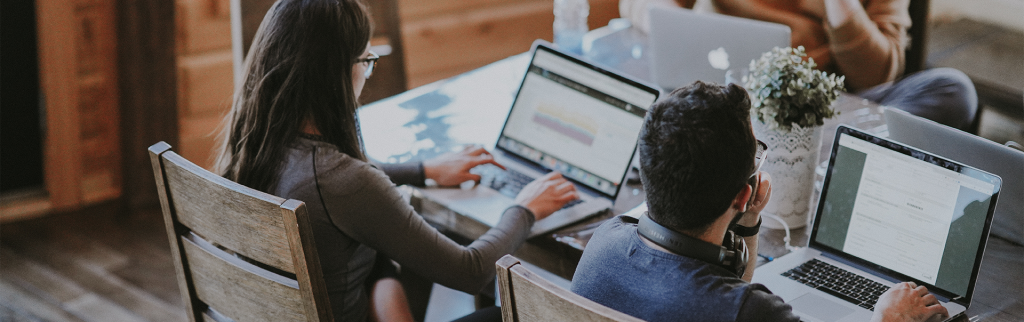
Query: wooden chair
[240,254]
[525,296]
[389,78]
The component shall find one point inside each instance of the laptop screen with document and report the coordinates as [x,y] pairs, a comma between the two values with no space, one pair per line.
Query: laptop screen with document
[900,210]
[577,119]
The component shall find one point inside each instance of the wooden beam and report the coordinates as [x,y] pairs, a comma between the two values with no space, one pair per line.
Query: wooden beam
[147,75]
[58,67]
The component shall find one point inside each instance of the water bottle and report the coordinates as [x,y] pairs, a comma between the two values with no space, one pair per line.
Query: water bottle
[571,24]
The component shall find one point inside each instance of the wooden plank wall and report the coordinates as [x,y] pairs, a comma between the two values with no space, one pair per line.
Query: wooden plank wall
[205,76]
[96,49]
[79,84]
[441,38]
[84,137]
[447,38]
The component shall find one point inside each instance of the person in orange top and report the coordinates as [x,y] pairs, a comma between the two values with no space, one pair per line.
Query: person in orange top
[865,40]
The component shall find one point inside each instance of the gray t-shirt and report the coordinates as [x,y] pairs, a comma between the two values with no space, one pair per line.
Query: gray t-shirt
[356,211]
[621,272]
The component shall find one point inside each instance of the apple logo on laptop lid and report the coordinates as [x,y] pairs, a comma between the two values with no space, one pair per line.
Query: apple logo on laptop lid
[719,59]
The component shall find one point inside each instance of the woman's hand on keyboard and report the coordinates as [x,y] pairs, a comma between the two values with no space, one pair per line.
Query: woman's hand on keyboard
[452,169]
[908,302]
[546,195]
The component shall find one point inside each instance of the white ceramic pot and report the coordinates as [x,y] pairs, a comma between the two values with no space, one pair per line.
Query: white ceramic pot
[792,156]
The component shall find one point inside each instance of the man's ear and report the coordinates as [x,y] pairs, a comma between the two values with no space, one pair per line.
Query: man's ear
[740,201]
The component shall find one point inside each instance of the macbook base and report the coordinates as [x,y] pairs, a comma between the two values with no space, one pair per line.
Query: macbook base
[887,213]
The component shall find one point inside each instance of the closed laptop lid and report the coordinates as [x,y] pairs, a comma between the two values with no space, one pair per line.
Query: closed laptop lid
[687,46]
[577,118]
[906,213]
[974,151]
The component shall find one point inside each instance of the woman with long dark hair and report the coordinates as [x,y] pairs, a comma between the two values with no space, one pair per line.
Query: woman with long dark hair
[293,132]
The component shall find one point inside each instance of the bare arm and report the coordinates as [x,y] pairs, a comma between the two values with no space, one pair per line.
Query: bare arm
[748,274]
[750,219]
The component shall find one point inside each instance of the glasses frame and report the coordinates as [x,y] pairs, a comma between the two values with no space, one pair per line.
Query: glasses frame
[371,63]
[760,155]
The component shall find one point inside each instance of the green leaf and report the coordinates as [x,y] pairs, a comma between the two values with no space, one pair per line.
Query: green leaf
[786,90]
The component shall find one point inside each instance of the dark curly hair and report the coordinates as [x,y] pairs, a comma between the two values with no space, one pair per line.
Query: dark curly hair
[696,152]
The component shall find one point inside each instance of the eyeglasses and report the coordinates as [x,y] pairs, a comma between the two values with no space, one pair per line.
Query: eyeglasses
[371,63]
[759,156]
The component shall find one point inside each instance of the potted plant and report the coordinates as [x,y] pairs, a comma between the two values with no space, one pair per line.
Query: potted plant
[789,102]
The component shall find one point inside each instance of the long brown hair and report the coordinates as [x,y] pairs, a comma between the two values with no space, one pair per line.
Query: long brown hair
[298,70]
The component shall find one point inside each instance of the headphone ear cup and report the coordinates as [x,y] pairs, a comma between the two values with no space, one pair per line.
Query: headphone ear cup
[741,255]
[730,240]
[737,249]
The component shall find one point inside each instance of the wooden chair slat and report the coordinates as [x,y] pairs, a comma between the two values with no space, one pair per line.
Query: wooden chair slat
[508,308]
[305,257]
[248,296]
[155,157]
[243,220]
[526,296]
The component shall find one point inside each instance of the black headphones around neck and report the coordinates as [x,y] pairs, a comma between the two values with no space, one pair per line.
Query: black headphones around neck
[732,255]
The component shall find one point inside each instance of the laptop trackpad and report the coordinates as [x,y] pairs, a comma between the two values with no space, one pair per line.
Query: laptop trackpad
[820,308]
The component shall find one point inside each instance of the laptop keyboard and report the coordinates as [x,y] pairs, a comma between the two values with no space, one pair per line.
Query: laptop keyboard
[839,282]
[509,182]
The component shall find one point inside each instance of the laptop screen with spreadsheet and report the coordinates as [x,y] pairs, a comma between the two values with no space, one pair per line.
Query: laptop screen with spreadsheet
[578,119]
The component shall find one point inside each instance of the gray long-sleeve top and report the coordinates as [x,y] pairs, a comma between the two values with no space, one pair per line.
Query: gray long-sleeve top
[356,211]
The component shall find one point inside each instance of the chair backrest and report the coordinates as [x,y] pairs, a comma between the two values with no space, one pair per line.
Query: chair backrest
[239,253]
[389,78]
[914,60]
[525,296]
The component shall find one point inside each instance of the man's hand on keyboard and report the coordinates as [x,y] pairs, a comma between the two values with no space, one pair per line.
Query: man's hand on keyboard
[546,195]
[452,169]
[908,302]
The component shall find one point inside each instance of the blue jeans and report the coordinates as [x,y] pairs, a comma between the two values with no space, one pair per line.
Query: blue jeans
[943,95]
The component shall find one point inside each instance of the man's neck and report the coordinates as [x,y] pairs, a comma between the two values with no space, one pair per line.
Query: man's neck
[714,234]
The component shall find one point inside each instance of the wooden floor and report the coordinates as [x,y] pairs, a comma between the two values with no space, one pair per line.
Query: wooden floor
[94,265]
[101,264]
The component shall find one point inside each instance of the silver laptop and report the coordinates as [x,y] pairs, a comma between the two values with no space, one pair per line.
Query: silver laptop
[568,116]
[974,151]
[687,46]
[888,213]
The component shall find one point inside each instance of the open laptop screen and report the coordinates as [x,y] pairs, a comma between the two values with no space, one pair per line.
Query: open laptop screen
[905,211]
[577,119]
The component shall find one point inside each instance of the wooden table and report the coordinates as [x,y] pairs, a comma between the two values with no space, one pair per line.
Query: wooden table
[471,109]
